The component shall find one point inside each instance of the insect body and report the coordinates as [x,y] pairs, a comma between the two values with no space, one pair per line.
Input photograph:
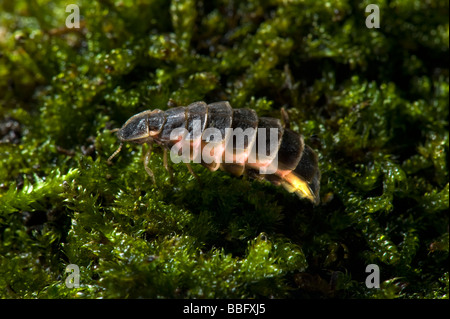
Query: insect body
[210,133]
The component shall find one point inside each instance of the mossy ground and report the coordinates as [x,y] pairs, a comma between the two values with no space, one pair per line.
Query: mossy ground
[372,102]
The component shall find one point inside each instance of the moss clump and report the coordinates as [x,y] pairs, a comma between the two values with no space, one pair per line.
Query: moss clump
[372,102]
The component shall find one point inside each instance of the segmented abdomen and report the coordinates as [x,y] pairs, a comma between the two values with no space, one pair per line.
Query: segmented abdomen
[297,165]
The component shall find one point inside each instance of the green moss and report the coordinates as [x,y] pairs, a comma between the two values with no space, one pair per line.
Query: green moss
[373,103]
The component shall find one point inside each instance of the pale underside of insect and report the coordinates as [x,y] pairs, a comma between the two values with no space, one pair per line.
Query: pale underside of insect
[296,166]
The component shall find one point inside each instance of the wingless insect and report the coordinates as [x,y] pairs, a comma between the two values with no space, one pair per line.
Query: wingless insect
[297,165]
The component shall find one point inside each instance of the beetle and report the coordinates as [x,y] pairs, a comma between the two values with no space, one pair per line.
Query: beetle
[208,133]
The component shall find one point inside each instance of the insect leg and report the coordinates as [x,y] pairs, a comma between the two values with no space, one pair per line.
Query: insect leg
[146,160]
[166,164]
[188,165]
